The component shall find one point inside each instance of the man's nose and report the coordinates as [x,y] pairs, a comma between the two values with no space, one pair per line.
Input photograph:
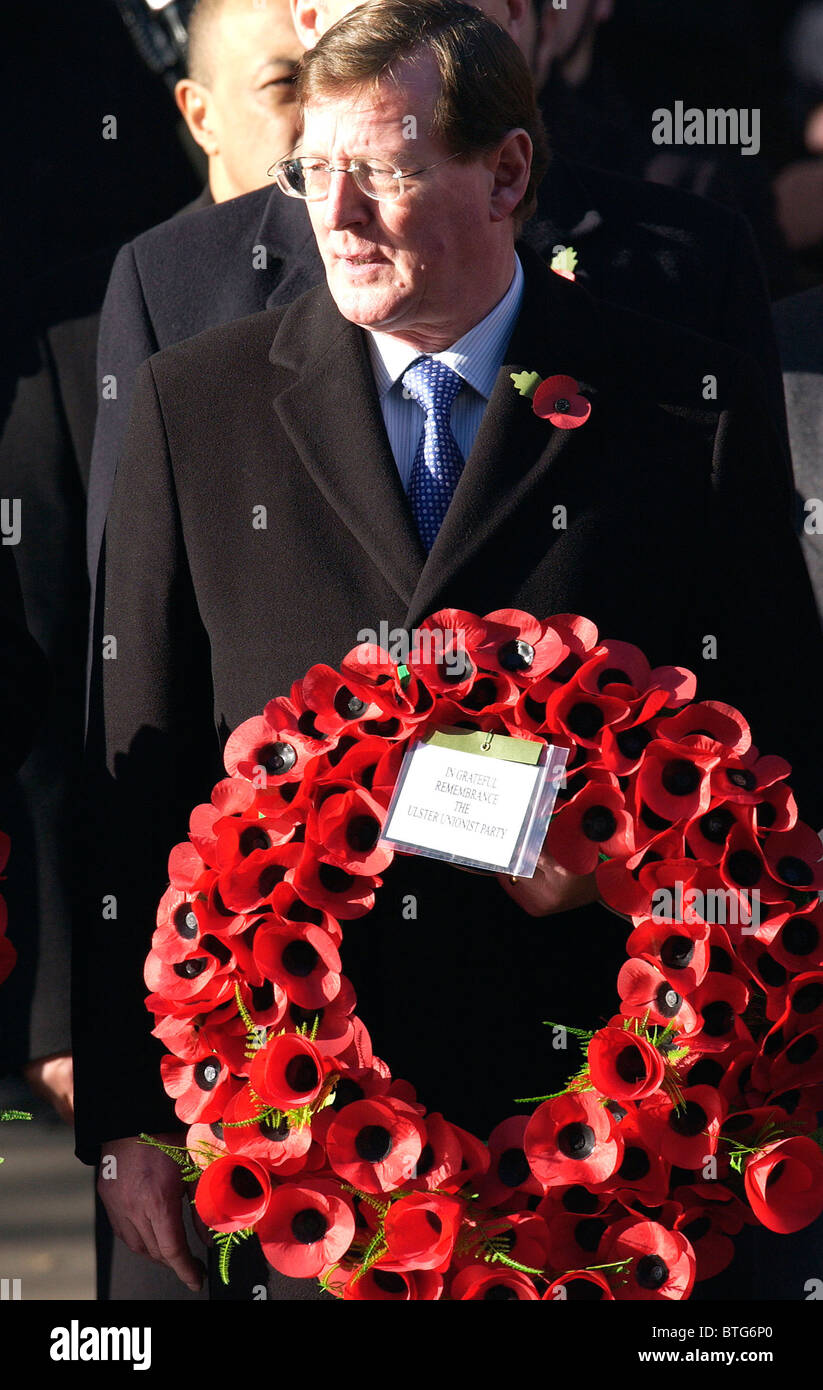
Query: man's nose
[345,202]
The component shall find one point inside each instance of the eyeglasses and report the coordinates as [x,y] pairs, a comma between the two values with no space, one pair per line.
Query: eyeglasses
[309,177]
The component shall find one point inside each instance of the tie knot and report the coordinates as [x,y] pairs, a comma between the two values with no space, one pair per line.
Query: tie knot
[432,384]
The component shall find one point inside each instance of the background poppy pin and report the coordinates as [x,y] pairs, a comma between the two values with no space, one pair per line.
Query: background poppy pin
[557,399]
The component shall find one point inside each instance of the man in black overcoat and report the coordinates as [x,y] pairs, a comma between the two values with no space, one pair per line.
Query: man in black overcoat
[677,537]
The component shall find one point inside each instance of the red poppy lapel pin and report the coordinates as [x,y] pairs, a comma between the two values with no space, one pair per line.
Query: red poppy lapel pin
[556,399]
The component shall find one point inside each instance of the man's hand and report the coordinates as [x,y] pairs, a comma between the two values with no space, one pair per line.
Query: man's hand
[52,1079]
[553,888]
[143,1198]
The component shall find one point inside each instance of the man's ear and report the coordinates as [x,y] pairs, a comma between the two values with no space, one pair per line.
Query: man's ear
[511,165]
[196,108]
[308,21]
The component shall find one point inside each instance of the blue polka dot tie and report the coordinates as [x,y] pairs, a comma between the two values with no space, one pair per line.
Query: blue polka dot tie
[438,461]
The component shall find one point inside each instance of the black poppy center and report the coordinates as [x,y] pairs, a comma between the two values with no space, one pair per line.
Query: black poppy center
[302,1075]
[808,998]
[689,1121]
[206,1073]
[253,838]
[309,1226]
[276,757]
[632,742]
[246,1184]
[799,937]
[334,880]
[516,655]
[579,1199]
[190,969]
[498,1293]
[629,1064]
[776,1173]
[742,777]
[667,1000]
[348,706]
[651,1272]
[718,1018]
[576,1140]
[185,922]
[598,823]
[680,778]
[715,825]
[636,1164]
[512,1167]
[362,833]
[425,1162]
[794,871]
[299,958]
[584,719]
[677,951]
[373,1143]
[744,867]
[802,1049]
[770,970]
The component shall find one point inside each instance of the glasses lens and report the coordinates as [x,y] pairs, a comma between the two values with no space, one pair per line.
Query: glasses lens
[304,178]
[377,180]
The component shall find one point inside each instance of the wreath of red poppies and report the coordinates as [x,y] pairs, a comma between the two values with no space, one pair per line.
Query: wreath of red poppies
[693,1110]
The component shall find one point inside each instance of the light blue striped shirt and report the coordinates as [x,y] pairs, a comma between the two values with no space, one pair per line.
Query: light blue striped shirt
[477,357]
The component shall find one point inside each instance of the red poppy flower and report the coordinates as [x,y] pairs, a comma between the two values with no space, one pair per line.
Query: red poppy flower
[673,784]
[348,826]
[558,400]
[301,960]
[624,1065]
[378,1284]
[643,1176]
[326,886]
[744,778]
[239,836]
[581,717]
[627,884]
[679,950]
[744,868]
[784,1184]
[719,1003]
[795,858]
[527,650]
[269,749]
[482,1283]
[308,1227]
[196,981]
[400,695]
[594,822]
[708,1230]
[233,1193]
[708,832]
[337,705]
[200,1089]
[445,650]
[288,1072]
[573,1139]
[273,1142]
[508,1170]
[686,1135]
[799,1063]
[644,990]
[420,1232]
[662,1262]
[580,1286]
[574,1239]
[776,809]
[708,727]
[440,1163]
[249,884]
[804,1003]
[798,945]
[376,1144]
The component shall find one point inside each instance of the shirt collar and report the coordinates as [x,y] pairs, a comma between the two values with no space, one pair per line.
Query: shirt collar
[476,356]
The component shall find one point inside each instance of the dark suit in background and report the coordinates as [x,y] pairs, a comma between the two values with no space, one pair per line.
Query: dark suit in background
[678,526]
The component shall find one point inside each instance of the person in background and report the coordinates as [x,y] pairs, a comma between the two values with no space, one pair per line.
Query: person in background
[238,97]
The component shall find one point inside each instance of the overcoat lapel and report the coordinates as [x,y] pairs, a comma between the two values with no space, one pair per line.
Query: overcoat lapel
[332,415]
[286,234]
